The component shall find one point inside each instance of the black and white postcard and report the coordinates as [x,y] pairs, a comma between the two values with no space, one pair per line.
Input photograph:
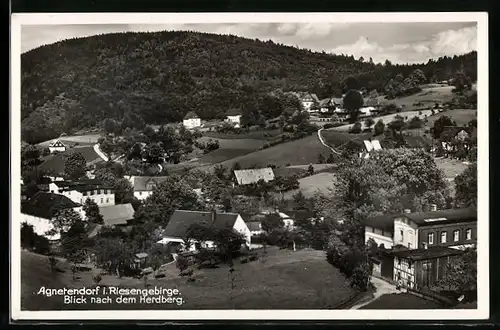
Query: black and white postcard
[256,166]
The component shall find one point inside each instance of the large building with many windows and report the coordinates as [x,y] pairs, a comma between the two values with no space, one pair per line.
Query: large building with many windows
[419,244]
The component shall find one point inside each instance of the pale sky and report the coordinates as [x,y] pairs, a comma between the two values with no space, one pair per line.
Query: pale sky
[398,42]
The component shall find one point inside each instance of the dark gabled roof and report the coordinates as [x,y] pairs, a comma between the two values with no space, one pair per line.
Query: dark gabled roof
[119,214]
[140,183]
[181,220]
[191,115]
[443,216]
[233,112]
[57,143]
[254,225]
[417,141]
[46,205]
[81,186]
[384,222]
[425,254]
[55,163]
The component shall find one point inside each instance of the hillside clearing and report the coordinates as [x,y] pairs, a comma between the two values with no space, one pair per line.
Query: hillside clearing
[299,152]
[283,280]
[74,139]
[310,185]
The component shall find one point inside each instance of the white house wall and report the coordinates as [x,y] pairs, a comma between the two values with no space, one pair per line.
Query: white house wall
[404,272]
[40,225]
[405,233]
[191,123]
[142,195]
[379,236]
[241,227]
[102,199]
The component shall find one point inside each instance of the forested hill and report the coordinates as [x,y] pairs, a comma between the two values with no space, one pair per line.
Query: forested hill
[161,76]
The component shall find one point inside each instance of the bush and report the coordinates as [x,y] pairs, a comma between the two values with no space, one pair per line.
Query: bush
[415,122]
[244,260]
[356,128]
[360,277]
[253,257]
[379,127]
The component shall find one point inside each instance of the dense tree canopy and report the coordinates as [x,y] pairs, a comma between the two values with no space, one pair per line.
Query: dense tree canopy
[153,78]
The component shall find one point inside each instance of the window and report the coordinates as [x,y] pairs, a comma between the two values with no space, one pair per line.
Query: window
[430,238]
[401,232]
[84,193]
[99,191]
[140,194]
[91,193]
[409,245]
[102,200]
[107,200]
[468,234]
[443,237]
[456,235]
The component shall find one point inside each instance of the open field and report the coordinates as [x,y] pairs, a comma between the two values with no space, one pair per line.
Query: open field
[228,149]
[460,116]
[257,135]
[310,185]
[401,301]
[282,280]
[79,139]
[428,97]
[299,152]
[386,119]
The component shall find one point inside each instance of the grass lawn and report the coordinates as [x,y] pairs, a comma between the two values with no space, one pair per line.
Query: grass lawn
[429,95]
[257,135]
[80,139]
[299,152]
[228,149]
[282,280]
[401,301]
[320,182]
[461,116]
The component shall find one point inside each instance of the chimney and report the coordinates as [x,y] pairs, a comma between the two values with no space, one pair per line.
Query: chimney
[406,211]
[433,207]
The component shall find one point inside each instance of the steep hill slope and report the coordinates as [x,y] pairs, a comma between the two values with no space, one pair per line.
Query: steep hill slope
[160,76]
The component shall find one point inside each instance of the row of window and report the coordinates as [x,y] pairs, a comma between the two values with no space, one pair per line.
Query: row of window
[102,200]
[444,236]
[97,192]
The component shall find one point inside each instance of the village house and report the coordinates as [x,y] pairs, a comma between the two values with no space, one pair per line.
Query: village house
[181,220]
[370,146]
[309,100]
[233,116]
[113,216]
[431,238]
[143,185]
[41,209]
[365,112]
[255,228]
[80,191]
[288,222]
[251,176]
[454,228]
[191,120]
[422,268]
[57,146]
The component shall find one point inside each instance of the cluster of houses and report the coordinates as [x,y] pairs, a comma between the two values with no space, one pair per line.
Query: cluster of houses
[310,103]
[57,194]
[191,120]
[334,106]
[416,246]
